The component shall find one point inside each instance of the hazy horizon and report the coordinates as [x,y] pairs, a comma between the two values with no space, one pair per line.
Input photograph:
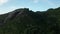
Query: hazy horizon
[35,5]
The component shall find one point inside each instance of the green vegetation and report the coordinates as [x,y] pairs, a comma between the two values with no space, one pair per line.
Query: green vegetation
[25,21]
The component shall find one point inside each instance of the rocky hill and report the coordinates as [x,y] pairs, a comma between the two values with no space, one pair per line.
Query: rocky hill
[25,21]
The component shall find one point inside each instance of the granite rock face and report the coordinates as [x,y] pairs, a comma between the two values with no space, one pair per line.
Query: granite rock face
[16,13]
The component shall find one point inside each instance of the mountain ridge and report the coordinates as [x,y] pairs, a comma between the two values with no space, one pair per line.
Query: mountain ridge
[25,21]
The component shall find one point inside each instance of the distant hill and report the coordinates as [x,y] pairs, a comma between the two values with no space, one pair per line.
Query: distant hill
[25,21]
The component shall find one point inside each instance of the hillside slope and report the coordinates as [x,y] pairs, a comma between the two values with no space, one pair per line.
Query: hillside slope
[25,21]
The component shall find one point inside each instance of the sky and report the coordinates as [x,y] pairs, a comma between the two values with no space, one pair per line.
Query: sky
[35,5]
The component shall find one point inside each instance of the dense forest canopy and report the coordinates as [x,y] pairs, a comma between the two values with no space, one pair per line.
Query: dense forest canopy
[25,21]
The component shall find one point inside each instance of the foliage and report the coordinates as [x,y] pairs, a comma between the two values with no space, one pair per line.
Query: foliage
[25,21]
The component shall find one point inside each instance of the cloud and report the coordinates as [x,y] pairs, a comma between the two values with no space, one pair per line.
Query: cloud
[44,1]
[35,1]
[48,1]
[3,2]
